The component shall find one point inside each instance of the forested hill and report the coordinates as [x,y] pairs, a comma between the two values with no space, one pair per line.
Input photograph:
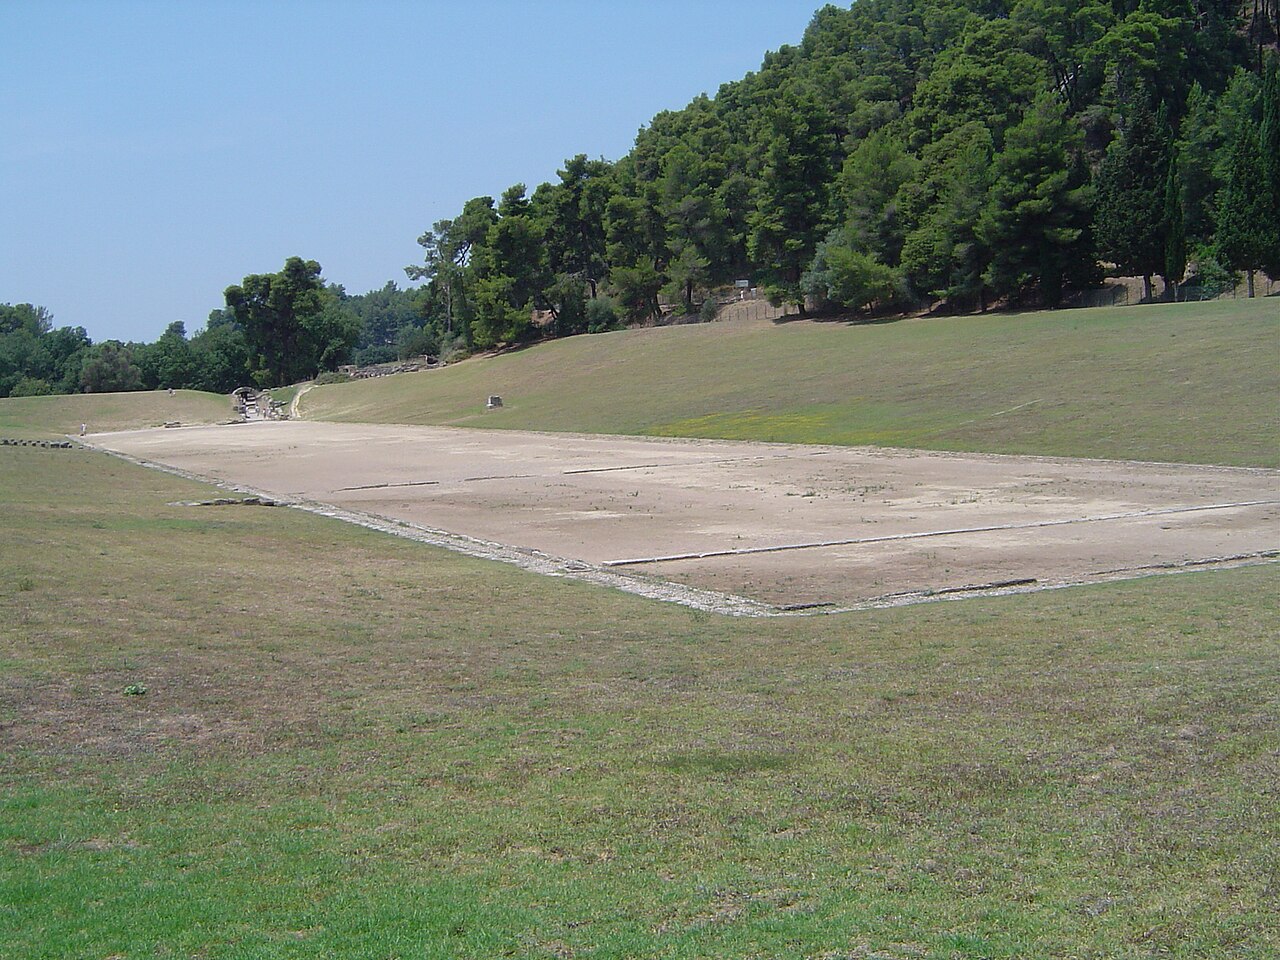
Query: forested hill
[902,152]
[968,152]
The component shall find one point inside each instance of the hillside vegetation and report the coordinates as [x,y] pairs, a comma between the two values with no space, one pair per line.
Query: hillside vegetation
[904,152]
[1183,382]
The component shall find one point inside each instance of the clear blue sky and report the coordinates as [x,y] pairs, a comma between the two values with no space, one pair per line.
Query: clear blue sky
[152,153]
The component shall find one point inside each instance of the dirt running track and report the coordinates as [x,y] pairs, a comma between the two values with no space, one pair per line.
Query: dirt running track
[786,527]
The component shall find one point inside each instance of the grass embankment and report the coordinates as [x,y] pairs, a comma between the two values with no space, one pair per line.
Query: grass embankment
[1186,382]
[378,749]
[285,395]
[102,412]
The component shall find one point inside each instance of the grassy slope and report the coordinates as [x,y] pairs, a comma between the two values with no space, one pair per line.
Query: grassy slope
[1190,382]
[31,416]
[393,751]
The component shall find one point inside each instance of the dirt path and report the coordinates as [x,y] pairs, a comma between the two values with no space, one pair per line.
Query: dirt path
[748,527]
[295,411]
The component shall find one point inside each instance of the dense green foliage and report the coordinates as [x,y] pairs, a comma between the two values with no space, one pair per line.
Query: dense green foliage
[292,322]
[276,328]
[35,358]
[905,153]
[944,153]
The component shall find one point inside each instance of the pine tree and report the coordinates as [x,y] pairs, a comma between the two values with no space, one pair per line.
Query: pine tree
[1035,215]
[943,255]
[790,217]
[1130,197]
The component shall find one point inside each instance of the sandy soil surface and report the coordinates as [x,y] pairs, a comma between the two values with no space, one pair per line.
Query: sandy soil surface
[780,524]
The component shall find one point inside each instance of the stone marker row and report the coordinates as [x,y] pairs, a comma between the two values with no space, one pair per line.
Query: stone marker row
[50,444]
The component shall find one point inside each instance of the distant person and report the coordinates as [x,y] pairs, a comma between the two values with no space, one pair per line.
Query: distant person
[83,427]
[171,391]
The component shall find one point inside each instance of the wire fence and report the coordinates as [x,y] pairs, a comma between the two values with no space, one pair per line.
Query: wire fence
[1126,291]
[754,308]
[1129,291]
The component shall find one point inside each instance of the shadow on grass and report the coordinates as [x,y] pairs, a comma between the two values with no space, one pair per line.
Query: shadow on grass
[848,319]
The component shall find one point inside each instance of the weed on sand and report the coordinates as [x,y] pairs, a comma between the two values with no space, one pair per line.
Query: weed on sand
[1181,382]
[349,745]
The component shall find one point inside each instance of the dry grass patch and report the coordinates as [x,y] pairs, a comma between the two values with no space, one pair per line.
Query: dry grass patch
[355,746]
[1179,382]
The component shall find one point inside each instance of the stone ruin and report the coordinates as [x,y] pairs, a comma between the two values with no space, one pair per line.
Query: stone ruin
[412,365]
[251,404]
[24,442]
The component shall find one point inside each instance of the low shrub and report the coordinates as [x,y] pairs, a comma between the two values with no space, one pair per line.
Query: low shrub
[332,376]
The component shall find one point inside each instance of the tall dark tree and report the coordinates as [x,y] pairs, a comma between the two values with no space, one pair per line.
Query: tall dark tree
[221,355]
[792,200]
[1198,143]
[1175,235]
[61,356]
[943,255]
[511,273]
[448,245]
[21,328]
[1035,216]
[171,358]
[34,357]
[331,335]
[1130,197]
[291,323]
[573,219]
[1269,135]
[638,252]
[695,223]
[1245,224]
[867,186]
[110,369]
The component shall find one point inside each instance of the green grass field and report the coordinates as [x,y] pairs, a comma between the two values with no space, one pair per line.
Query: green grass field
[355,746]
[1186,382]
[102,412]
[392,751]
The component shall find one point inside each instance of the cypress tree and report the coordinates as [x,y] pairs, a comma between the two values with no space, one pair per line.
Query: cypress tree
[1246,214]
[1197,147]
[1175,235]
[1270,146]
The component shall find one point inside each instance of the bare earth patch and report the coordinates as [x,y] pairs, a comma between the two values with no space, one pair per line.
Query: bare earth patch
[743,527]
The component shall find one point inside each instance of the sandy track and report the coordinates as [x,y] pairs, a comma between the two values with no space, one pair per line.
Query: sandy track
[781,525]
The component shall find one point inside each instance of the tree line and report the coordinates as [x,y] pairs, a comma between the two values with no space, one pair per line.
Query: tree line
[274,329]
[905,153]
[955,152]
